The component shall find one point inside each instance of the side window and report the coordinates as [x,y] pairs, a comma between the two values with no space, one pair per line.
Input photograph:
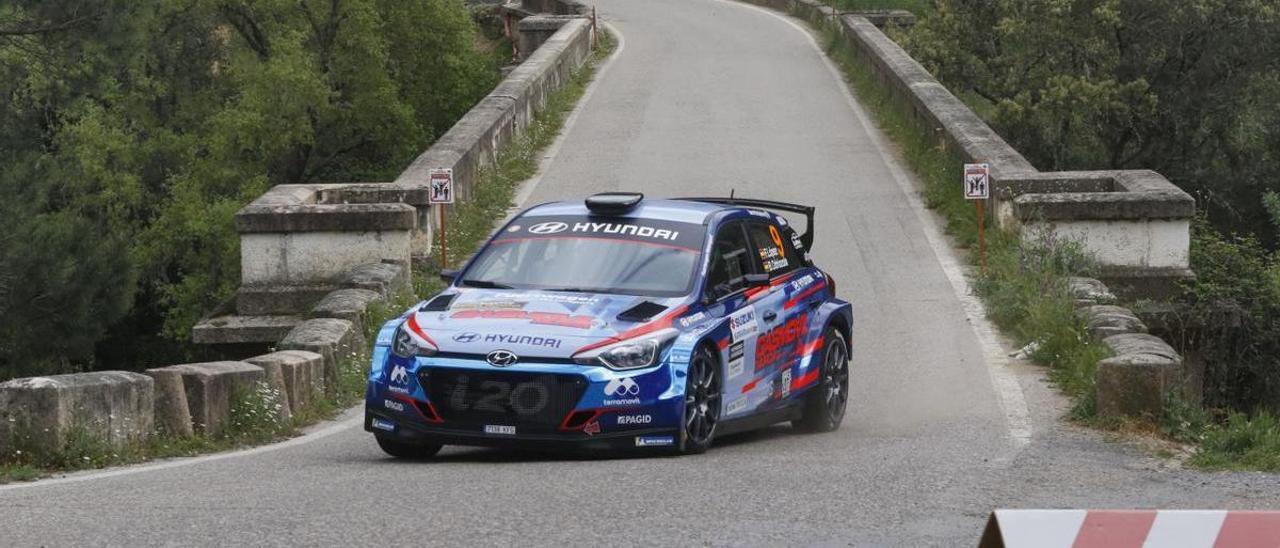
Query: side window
[777,257]
[730,260]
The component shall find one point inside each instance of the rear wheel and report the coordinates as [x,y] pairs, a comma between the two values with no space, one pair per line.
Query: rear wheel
[824,406]
[405,450]
[701,402]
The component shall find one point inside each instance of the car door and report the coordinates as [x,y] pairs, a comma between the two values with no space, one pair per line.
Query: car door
[731,257]
[784,327]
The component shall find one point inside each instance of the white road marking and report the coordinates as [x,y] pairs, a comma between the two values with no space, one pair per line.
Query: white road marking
[531,184]
[349,418]
[1008,391]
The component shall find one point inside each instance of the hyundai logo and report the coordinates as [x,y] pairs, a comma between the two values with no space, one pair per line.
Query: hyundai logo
[466,337]
[502,358]
[548,228]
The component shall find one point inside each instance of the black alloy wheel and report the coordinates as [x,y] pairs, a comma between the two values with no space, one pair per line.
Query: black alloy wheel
[701,402]
[824,408]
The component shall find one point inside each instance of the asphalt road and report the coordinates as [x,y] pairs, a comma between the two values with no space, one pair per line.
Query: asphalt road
[706,96]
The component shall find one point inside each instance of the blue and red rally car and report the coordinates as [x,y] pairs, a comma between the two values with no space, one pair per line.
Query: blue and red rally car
[618,322]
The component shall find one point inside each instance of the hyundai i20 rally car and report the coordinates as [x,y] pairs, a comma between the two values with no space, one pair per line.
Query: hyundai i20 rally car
[618,322]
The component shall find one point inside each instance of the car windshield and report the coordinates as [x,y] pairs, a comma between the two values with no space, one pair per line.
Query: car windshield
[589,254]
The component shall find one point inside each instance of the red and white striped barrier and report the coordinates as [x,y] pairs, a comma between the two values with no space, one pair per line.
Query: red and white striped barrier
[1131,529]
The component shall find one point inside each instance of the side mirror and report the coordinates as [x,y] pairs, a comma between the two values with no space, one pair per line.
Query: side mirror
[448,275]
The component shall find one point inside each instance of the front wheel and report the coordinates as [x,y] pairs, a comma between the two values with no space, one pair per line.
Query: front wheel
[403,450]
[824,406]
[701,402]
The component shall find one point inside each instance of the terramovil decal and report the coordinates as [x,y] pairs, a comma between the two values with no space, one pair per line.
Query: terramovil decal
[780,343]
[686,235]
[619,392]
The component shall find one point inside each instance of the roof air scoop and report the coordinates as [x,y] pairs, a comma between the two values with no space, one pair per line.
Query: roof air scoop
[613,203]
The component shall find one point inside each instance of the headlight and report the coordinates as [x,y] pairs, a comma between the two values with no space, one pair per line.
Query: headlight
[629,354]
[405,345]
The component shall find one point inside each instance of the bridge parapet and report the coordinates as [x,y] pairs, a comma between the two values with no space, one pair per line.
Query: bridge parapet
[298,241]
[1135,222]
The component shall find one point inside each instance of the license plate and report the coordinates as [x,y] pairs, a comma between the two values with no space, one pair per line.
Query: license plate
[500,429]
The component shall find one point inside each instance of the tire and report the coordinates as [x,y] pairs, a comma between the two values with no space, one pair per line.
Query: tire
[412,451]
[701,403]
[824,406]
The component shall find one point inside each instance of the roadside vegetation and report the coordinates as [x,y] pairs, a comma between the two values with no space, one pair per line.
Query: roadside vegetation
[133,130]
[254,416]
[1025,284]
[1187,88]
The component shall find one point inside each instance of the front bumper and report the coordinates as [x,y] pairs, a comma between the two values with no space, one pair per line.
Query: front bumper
[550,405]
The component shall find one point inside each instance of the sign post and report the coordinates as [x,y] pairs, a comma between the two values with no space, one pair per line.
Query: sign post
[977,187]
[440,192]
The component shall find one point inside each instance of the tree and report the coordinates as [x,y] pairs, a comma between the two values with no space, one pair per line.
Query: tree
[1185,87]
[133,131]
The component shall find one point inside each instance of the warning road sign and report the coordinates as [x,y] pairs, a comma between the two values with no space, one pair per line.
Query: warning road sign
[977,181]
[441,186]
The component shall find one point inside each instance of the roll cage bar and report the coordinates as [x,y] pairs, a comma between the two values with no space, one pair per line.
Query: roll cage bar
[807,211]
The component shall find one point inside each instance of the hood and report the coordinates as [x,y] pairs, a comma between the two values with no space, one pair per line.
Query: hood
[546,324]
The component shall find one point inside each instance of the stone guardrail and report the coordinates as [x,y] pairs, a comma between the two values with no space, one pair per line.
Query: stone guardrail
[1135,222]
[297,240]
[314,258]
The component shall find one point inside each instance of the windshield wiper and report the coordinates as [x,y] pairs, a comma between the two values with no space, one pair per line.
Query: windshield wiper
[487,284]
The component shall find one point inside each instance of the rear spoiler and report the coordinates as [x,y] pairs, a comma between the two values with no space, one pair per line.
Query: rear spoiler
[807,211]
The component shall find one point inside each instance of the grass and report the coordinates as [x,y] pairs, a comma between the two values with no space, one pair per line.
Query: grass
[1241,443]
[1025,285]
[254,418]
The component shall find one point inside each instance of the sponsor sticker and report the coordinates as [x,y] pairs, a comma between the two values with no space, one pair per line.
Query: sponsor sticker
[383,425]
[786,382]
[743,323]
[736,361]
[736,406]
[780,343]
[686,235]
[622,391]
[655,441]
[759,213]
[393,405]
[692,319]
[592,428]
[502,429]
[399,379]
[634,419]
[802,282]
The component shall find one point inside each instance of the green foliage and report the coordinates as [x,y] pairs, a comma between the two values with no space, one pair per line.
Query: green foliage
[132,131]
[1242,443]
[1189,88]
[1026,293]
[1235,319]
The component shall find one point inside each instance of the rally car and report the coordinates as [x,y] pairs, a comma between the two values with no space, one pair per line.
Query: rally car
[618,322]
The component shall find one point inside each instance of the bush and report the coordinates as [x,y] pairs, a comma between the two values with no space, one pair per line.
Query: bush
[132,134]
[1242,444]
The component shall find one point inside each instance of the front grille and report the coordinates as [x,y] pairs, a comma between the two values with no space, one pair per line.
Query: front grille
[535,403]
